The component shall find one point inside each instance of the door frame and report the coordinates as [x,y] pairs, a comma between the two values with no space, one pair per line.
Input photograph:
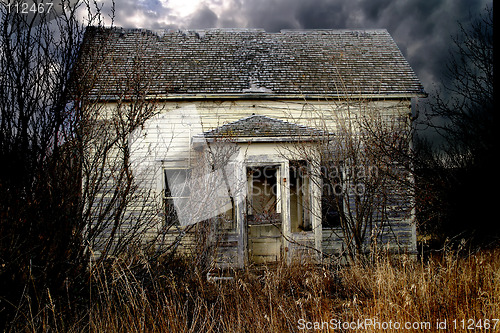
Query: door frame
[281,181]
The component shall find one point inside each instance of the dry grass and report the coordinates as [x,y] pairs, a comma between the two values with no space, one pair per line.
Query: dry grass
[176,298]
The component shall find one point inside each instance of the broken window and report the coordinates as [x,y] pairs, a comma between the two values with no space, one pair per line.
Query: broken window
[176,190]
[331,195]
[190,198]
[263,195]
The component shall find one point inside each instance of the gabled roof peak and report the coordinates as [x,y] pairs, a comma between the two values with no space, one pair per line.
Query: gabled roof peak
[261,128]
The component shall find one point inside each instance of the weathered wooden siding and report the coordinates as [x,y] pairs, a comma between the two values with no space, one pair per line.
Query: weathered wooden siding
[165,141]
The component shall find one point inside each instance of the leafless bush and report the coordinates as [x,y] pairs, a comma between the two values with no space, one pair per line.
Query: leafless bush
[364,172]
[67,183]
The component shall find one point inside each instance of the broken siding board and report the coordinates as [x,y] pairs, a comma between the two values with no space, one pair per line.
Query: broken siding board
[323,113]
[389,240]
[332,242]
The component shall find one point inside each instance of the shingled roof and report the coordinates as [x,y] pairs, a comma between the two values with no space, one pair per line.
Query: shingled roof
[249,62]
[263,129]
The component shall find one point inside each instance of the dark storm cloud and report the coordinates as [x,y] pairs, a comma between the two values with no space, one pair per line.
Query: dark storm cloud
[319,14]
[204,17]
[421,28]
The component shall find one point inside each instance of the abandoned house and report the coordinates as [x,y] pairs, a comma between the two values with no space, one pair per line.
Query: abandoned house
[260,137]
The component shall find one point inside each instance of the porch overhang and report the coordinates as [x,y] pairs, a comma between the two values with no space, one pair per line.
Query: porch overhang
[199,140]
[259,128]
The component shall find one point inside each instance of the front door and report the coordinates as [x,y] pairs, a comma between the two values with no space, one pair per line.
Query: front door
[263,213]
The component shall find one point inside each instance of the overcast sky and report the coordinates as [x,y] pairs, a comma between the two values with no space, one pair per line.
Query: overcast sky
[421,28]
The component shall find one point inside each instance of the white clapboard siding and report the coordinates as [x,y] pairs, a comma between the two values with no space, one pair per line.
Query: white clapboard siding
[165,141]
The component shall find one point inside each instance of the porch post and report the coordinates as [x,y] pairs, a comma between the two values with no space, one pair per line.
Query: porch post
[285,209]
[240,175]
[315,184]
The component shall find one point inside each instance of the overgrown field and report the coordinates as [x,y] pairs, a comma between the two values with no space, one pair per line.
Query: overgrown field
[447,292]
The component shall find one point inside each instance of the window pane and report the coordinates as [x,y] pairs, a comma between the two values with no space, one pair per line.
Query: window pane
[177,182]
[171,217]
[331,200]
[330,213]
[176,188]
[300,206]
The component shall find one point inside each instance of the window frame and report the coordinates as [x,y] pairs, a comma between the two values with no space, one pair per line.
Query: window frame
[330,197]
[299,177]
[166,198]
[168,204]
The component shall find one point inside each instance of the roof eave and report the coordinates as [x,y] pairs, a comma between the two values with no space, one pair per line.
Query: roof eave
[199,140]
[247,96]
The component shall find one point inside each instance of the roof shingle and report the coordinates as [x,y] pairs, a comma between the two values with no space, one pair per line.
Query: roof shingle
[252,62]
[264,128]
